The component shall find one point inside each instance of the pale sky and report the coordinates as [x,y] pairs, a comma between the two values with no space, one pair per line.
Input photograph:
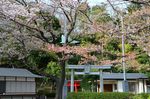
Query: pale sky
[118,3]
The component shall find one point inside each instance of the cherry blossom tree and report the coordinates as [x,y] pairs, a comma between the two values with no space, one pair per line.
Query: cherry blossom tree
[26,25]
[39,25]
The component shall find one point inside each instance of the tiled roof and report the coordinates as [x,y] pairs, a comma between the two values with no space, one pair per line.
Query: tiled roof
[15,72]
[117,76]
[128,76]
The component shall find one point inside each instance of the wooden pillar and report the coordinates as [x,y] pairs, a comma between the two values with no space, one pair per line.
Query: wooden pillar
[141,89]
[145,86]
[65,89]
[101,81]
[75,85]
[72,81]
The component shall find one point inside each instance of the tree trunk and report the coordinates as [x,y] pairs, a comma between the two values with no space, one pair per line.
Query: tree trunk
[60,83]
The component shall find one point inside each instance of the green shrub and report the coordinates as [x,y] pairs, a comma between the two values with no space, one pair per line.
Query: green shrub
[51,95]
[110,56]
[112,45]
[141,96]
[128,47]
[111,95]
[149,97]
[143,59]
[87,82]
[46,92]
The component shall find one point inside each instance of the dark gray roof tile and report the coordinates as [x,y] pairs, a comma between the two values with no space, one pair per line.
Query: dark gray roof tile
[15,72]
[117,76]
[128,76]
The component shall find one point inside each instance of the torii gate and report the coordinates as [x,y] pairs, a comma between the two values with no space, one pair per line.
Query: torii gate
[87,69]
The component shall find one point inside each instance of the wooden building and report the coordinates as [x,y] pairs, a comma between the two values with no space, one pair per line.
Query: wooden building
[108,81]
[17,84]
[113,82]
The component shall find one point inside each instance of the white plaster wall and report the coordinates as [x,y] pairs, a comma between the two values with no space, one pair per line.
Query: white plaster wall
[145,86]
[141,86]
[120,86]
[137,87]
[20,87]
[115,89]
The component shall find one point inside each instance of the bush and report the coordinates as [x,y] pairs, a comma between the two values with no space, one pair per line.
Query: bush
[46,92]
[111,95]
[141,96]
[112,45]
[128,47]
[143,58]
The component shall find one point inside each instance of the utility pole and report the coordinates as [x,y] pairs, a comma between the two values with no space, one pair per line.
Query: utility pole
[64,41]
[125,82]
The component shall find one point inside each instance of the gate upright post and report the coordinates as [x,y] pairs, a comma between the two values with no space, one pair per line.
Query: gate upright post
[101,81]
[72,81]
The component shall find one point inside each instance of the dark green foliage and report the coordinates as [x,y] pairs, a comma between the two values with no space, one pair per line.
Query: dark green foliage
[14,61]
[40,58]
[112,95]
[117,69]
[147,74]
[108,95]
[143,58]
[46,92]
[55,23]
[87,82]
[53,68]
[141,96]
[74,59]
[98,9]
[110,56]
[112,45]
[86,39]
[86,85]
[104,18]
[116,21]
[133,7]
[90,38]
[49,22]
[138,49]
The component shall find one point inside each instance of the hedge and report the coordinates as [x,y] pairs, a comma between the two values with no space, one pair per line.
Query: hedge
[141,96]
[46,92]
[111,95]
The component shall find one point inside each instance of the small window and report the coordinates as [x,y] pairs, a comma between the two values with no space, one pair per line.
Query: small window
[148,86]
[132,87]
[2,87]
[148,89]
[115,86]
